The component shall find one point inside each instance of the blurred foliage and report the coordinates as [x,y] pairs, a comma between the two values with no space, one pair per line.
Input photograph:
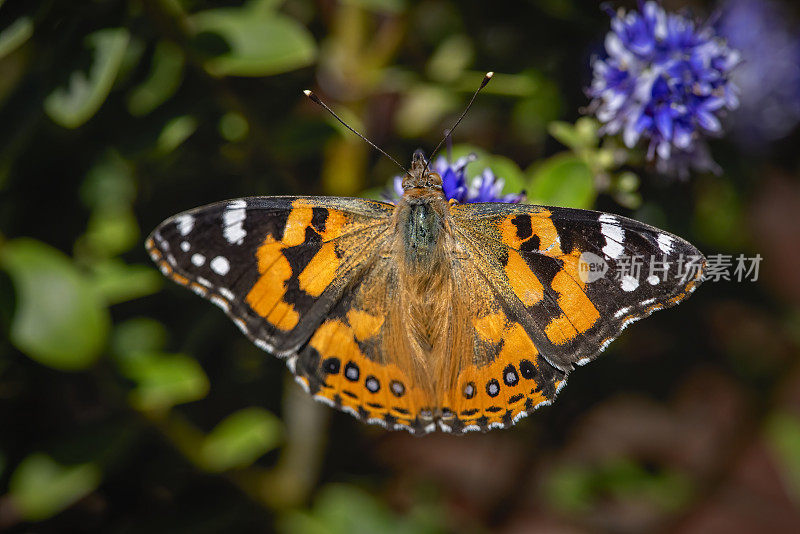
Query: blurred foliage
[127,404]
[41,487]
[59,320]
[341,509]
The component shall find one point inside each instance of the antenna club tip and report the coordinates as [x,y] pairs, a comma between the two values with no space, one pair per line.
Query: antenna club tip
[489,74]
[310,94]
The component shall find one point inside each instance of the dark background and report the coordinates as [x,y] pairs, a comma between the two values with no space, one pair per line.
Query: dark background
[127,404]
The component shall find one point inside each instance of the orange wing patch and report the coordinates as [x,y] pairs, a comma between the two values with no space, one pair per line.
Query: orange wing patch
[350,381]
[499,393]
[310,226]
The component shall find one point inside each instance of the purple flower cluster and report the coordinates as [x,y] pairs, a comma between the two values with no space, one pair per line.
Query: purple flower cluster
[665,80]
[484,188]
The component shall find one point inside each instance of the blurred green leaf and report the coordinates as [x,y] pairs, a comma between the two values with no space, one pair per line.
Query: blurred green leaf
[40,487]
[140,334]
[233,126]
[262,41]
[111,231]
[380,6]
[166,74]
[15,35]
[116,281]
[783,438]
[163,380]
[422,108]
[625,479]
[575,489]
[569,489]
[73,106]
[719,219]
[583,134]
[175,132]
[59,321]
[240,439]
[110,182]
[562,180]
[450,59]
[344,509]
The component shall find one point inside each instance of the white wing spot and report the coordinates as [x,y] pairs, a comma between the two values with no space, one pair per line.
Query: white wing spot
[220,302]
[185,246]
[227,293]
[653,280]
[613,249]
[198,259]
[629,283]
[614,235]
[232,219]
[665,243]
[185,223]
[220,265]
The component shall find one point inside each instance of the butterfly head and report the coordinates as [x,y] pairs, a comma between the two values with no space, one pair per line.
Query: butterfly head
[420,176]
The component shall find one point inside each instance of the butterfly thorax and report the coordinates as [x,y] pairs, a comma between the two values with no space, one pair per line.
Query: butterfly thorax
[421,325]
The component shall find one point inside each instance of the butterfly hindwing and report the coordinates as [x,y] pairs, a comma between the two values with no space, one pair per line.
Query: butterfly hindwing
[276,265]
[352,363]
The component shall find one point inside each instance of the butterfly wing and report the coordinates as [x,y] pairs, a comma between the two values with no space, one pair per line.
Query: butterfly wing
[276,265]
[356,360]
[550,311]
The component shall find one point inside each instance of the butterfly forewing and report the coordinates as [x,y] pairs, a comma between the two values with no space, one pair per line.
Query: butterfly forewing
[574,272]
[276,265]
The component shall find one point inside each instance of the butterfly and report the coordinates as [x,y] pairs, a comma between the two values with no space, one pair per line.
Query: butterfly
[426,313]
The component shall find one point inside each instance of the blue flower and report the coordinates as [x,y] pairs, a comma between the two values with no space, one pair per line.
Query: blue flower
[484,188]
[665,80]
[769,76]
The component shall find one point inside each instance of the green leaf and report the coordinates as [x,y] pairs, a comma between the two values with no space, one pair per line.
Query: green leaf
[163,380]
[175,132]
[110,182]
[141,334]
[112,230]
[783,438]
[423,107]
[40,487]
[59,322]
[240,439]
[261,40]
[116,281]
[451,59]
[233,126]
[583,134]
[340,508]
[73,106]
[569,489]
[719,218]
[562,180]
[166,74]
[15,35]
[379,6]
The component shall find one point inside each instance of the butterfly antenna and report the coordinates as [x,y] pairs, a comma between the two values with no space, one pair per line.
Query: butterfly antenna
[314,98]
[486,79]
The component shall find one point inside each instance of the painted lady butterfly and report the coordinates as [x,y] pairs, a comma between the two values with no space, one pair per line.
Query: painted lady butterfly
[427,313]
